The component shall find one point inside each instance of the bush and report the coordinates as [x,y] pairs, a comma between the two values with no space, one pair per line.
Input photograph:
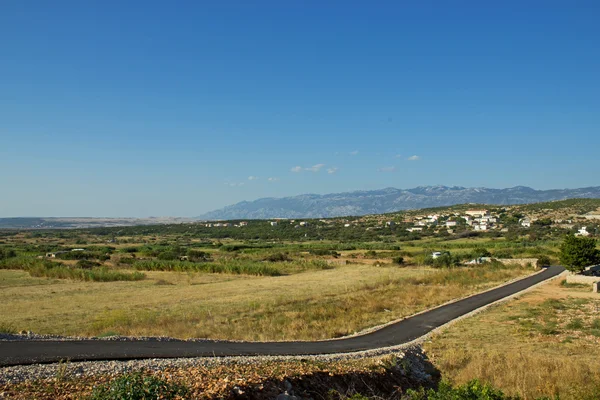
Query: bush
[324,252]
[473,390]
[127,261]
[479,252]
[129,250]
[168,255]
[543,261]
[398,260]
[446,260]
[197,255]
[7,253]
[371,254]
[87,264]
[137,386]
[278,257]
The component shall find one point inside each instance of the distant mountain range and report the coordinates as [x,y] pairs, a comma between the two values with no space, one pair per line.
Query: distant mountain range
[389,200]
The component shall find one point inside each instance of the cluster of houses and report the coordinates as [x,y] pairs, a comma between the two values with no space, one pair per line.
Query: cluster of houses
[474,219]
[245,223]
[479,220]
[56,253]
[225,224]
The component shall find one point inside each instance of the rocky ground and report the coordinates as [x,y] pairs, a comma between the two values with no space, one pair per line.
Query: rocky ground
[232,378]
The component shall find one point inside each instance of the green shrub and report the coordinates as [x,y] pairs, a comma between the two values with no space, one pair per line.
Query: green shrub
[87,264]
[127,261]
[446,260]
[7,253]
[278,257]
[129,250]
[543,261]
[576,324]
[480,252]
[371,254]
[398,260]
[324,252]
[168,255]
[198,255]
[137,386]
[473,390]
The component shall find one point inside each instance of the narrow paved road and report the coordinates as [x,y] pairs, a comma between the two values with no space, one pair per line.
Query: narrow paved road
[32,352]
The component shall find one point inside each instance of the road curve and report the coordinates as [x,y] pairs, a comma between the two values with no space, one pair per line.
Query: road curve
[23,352]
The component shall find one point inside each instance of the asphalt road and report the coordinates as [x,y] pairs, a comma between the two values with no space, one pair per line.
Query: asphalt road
[33,352]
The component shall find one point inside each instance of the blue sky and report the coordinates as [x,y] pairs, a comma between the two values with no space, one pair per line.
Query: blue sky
[139,108]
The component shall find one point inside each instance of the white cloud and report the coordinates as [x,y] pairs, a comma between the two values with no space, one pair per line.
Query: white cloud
[296,169]
[252,178]
[272,179]
[387,169]
[332,170]
[398,155]
[315,168]
[413,158]
[353,153]
[234,184]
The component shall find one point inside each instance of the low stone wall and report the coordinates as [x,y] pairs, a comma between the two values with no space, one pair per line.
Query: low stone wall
[587,280]
[521,261]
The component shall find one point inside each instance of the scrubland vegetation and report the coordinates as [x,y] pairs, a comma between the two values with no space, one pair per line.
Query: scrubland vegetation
[323,280]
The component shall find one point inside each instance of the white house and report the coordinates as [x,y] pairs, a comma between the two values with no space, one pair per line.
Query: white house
[481,227]
[582,232]
[525,222]
[451,223]
[273,223]
[415,229]
[303,223]
[390,223]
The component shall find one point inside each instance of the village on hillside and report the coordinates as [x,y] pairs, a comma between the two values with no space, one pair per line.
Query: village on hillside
[452,220]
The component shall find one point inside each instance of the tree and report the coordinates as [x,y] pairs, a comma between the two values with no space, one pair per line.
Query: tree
[576,253]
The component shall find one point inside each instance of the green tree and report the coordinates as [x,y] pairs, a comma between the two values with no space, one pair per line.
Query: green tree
[576,253]
[7,253]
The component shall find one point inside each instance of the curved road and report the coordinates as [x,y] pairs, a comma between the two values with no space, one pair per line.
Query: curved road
[22,352]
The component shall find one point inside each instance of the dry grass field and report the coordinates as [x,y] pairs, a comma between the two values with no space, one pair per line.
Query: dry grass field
[315,304]
[546,343]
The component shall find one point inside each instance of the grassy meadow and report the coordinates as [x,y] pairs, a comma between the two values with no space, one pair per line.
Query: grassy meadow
[314,304]
[546,343]
[257,282]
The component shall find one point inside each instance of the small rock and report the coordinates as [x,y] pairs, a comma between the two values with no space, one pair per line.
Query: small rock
[237,391]
[288,386]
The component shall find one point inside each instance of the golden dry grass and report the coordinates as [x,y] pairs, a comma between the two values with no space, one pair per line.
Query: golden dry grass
[311,305]
[530,347]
